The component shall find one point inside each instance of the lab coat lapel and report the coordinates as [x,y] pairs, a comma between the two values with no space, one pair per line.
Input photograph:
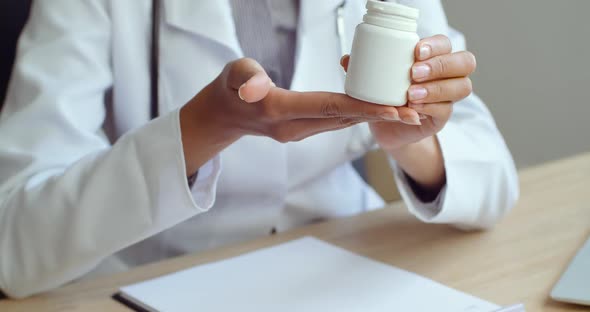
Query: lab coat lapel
[209,19]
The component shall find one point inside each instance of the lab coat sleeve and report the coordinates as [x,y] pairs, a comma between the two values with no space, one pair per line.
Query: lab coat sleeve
[481,180]
[68,199]
[482,183]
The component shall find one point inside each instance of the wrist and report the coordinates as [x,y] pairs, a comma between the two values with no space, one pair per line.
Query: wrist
[405,152]
[423,163]
[204,133]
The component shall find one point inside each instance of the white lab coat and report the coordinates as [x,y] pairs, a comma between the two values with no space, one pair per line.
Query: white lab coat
[82,180]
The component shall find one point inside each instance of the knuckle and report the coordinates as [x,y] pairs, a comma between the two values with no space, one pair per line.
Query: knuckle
[470,61]
[230,68]
[234,68]
[465,87]
[330,107]
[439,66]
[468,85]
[440,36]
[448,43]
[281,134]
[245,61]
[448,112]
[444,41]
[435,91]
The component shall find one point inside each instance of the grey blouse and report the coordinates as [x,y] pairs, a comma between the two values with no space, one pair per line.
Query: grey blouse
[267,32]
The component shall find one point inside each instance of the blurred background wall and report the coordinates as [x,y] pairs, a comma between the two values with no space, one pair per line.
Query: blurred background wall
[533,71]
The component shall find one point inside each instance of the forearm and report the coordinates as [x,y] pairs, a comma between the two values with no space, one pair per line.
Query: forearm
[136,188]
[423,163]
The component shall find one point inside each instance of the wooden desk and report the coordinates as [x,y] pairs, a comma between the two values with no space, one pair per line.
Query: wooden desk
[519,261]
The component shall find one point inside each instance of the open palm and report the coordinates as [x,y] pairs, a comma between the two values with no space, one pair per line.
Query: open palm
[393,135]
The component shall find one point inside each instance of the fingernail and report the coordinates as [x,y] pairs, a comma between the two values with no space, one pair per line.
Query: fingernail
[412,120]
[389,116]
[425,50]
[417,93]
[420,71]
[272,84]
[240,91]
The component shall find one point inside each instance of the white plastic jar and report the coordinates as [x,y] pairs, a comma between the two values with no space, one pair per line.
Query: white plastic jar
[383,54]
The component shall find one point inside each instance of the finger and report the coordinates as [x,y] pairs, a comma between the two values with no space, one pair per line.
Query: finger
[249,79]
[285,104]
[409,116]
[441,110]
[460,64]
[298,129]
[432,46]
[448,90]
[344,62]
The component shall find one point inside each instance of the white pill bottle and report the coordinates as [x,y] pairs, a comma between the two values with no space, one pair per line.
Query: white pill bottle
[383,54]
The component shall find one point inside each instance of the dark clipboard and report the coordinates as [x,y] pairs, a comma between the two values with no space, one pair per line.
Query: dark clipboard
[127,303]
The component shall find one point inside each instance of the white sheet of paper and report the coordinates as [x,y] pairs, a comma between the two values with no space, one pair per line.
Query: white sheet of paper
[306,274]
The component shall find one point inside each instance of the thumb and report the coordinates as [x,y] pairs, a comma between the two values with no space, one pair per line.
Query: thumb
[249,79]
[344,60]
